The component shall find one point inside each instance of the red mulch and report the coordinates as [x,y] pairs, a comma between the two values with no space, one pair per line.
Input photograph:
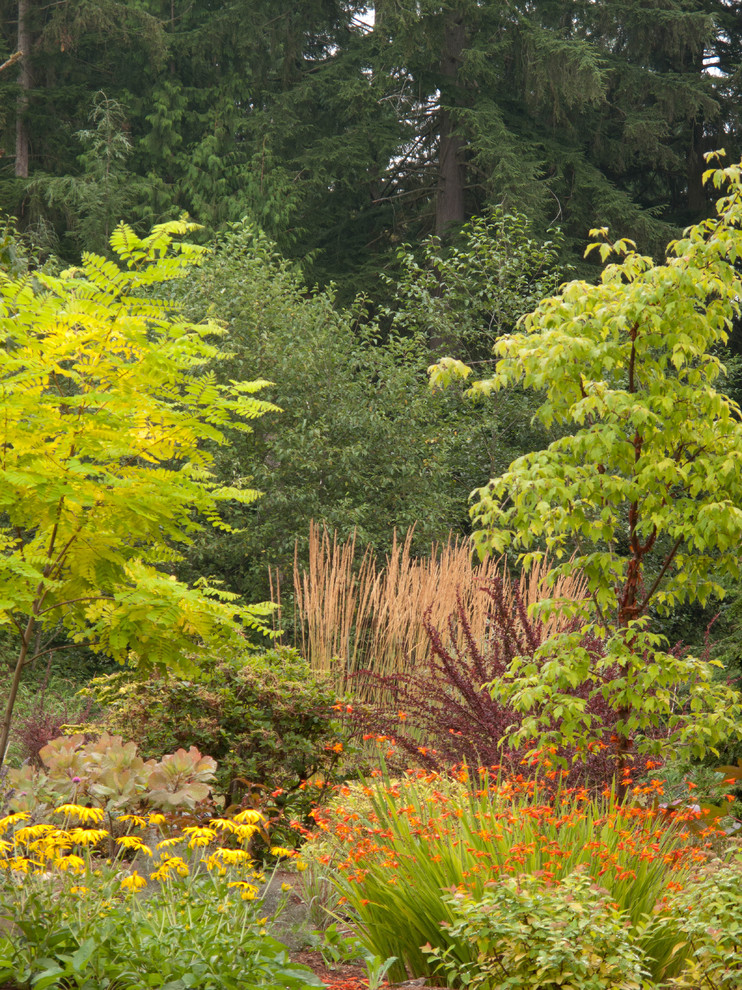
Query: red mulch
[341,976]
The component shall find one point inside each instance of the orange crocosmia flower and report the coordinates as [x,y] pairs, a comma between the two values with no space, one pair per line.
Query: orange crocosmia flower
[401,716]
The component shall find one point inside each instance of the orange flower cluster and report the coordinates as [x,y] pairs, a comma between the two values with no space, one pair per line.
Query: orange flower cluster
[492,826]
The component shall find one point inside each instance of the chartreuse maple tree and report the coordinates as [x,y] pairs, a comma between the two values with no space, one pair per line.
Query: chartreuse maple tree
[108,415]
[642,493]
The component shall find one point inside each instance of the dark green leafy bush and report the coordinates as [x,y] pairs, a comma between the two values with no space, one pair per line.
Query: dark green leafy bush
[269,724]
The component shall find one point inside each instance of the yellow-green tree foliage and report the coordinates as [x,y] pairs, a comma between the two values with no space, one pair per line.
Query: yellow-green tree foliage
[644,488]
[108,415]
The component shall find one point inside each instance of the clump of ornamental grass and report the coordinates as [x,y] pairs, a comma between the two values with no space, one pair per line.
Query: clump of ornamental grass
[414,841]
[353,615]
[69,915]
[439,714]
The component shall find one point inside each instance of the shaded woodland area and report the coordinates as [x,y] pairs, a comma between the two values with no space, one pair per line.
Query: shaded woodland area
[343,134]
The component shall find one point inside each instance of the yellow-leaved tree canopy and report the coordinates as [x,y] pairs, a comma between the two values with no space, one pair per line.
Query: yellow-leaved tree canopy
[108,415]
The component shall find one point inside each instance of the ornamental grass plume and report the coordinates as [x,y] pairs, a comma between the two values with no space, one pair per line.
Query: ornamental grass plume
[352,616]
[433,835]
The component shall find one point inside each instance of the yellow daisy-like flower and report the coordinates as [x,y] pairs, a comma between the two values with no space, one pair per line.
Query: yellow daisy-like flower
[51,845]
[245,832]
[79,890]
[282,851]
[19,864]
[285,887]
[70,864]
[223,824]
[155,819]
[173,864]
[249,817]
[199,836]
[212,863]
[247,891]
[10,820]
[87,836]
[80,812]
[134,842]
[30,832]
[5,846]
[301,865]
[136,820]
[232,856]
[133,882]
[167,843]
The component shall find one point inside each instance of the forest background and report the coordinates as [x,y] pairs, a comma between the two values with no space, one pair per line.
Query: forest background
[323,144]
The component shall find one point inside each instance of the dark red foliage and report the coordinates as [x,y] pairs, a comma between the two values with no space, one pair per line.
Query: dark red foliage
[46,720]
[439,716]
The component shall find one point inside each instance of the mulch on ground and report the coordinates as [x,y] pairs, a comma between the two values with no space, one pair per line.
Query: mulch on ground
[339,976]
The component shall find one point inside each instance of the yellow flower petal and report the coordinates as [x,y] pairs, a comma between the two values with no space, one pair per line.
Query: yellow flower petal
[80,812]
[87,836]
[10,820]
[134,842]
[133,882]
[249,816]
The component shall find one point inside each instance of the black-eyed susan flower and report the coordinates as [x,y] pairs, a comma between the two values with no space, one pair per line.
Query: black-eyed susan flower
[169,843]
[136,820]
[232,857]
[199,835]
[79,811]
[249,817]
[30,832]
[10,820]
[134,842]
[133,882]
[70,864]
[247,891]
[87,836]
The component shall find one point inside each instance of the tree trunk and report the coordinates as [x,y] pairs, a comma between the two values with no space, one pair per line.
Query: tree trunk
[449,206]
[25,80]
[15,684]
[698,202]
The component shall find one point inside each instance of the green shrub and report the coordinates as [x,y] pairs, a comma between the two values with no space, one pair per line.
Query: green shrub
[530,936]
[711,909]
[268,723]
